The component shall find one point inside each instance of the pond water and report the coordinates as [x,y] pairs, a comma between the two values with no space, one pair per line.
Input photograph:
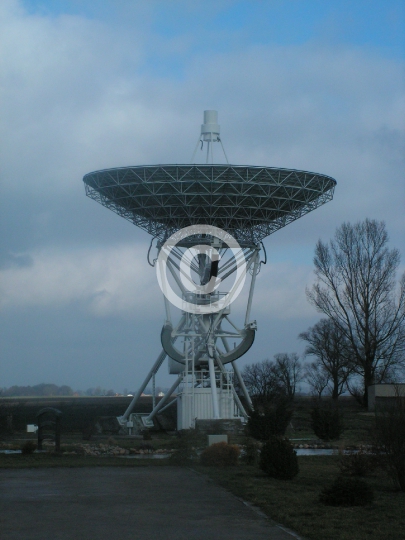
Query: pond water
[316,451]
[146,456]
[130,456]
[19,451]
[300,452]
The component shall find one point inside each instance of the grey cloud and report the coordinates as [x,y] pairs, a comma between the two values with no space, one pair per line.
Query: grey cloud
[78,95]
[15,260]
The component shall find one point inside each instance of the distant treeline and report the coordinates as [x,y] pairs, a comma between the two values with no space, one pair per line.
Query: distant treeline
[53,390]
[49,390]
[40,390]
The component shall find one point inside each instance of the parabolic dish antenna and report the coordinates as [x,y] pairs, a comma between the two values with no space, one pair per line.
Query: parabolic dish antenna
[183,207]
[248,202]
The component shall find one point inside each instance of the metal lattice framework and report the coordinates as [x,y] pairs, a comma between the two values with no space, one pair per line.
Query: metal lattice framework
[248,202]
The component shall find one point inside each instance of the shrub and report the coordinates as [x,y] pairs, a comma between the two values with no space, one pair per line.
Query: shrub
[278,459]
[28,447]
[251,452]
[186,449]
[347,492]
[358,464]
[220,455]
[6,419]
[146,448]
[271,418]
[326,423]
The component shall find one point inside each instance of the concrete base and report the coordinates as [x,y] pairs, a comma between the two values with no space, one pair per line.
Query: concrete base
[215,439]
[225,426]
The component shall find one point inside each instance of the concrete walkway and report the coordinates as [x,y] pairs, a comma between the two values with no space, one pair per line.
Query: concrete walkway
[159,503]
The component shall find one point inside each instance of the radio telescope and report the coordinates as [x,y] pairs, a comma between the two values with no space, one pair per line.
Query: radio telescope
[208,222]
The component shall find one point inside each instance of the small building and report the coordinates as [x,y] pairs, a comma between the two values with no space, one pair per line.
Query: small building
[382,392]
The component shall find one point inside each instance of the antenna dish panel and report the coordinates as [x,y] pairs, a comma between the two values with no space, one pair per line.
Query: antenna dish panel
[248,202]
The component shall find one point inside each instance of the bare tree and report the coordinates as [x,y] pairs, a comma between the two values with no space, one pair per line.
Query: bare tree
[288,371]
[355,288]
[273,378]
[329,345]
[261,380]
[317,378]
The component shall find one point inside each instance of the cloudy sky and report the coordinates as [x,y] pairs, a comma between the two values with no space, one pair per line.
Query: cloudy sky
[91,84]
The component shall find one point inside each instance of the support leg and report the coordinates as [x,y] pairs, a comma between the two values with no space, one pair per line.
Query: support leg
[235,395]
[239,377]
[123,419]
[153,390]
[162,402]
[242,385]
[252,285]
[215,405]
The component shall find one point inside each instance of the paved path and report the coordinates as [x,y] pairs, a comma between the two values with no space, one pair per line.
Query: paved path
[159,503]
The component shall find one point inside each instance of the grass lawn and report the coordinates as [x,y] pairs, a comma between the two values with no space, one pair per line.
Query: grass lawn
[357,422]
[48,460]
[295,503]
